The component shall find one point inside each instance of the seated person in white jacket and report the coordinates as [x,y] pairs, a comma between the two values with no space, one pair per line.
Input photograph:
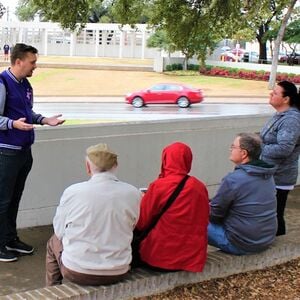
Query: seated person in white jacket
[93,225]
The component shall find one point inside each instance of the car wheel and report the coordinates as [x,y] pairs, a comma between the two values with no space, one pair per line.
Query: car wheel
[138,102]
[183,102]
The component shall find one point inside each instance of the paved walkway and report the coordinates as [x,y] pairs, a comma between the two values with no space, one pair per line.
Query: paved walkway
[28,273]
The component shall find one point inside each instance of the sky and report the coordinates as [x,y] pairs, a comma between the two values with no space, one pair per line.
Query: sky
[12,6]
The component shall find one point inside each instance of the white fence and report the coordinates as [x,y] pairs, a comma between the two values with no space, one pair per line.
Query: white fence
[104,40]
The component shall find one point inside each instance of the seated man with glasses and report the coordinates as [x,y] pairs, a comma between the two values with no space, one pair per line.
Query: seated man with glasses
[243,212]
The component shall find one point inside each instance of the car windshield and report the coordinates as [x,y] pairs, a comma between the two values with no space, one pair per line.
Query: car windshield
[172,87]
[158,87]
[166,87]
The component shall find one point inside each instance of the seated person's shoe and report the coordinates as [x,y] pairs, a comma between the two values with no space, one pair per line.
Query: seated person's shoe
[7,256]
[19,246]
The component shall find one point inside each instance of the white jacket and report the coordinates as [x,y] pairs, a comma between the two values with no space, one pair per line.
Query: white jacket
[95,220]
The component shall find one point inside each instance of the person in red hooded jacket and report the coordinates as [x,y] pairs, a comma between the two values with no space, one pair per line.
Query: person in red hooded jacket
[179,239]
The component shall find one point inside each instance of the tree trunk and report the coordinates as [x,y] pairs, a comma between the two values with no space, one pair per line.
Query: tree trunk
[185,63]
[278,40]
[262,44]
[262,52]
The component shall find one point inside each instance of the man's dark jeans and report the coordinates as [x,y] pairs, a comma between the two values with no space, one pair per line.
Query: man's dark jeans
[15,166]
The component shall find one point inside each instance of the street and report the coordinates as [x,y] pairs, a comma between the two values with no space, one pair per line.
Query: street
[124,112]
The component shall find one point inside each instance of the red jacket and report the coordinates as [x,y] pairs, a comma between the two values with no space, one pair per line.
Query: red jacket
[179,240]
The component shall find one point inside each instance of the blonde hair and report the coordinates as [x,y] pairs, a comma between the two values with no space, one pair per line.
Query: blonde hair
[102,157]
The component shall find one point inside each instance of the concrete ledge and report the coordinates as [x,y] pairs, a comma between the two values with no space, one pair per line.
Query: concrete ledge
[97,67]
[142,282]
[89,66]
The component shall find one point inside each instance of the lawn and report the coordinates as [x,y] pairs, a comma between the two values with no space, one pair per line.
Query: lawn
[74,82]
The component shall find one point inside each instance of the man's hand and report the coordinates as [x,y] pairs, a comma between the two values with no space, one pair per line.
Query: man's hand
[21,125]
[53,121]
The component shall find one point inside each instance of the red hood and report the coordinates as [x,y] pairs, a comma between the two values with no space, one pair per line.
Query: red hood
[176,159]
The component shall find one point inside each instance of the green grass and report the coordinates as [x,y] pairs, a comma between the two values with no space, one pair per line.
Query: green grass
[94,60]
[192,77]
[46,75]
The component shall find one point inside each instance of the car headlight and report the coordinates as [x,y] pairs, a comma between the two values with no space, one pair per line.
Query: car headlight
[128,95]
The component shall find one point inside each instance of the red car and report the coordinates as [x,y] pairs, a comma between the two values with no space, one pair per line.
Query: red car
[166,93]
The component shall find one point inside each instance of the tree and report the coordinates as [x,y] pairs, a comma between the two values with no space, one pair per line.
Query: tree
[2,10]
[291,36]
[159,39]
[92,11]
[131,11]
[193,26]
[278,42]
[26,10]
[292,33]
[258,16]
[69,13]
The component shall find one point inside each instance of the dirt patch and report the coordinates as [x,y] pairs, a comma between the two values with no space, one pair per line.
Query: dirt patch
[279,282]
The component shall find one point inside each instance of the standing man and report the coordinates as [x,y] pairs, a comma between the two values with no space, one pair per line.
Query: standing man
[6,51]
[16,137]
[243,212]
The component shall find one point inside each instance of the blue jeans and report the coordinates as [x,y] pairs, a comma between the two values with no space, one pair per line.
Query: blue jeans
[217,238]
[15,166]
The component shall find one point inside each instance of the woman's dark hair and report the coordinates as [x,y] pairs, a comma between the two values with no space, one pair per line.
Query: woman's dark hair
[290,90]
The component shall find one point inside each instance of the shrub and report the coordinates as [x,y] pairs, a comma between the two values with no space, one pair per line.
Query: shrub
[246,74]
[193,67]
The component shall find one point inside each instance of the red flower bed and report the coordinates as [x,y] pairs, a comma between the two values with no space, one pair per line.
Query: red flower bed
[247,74]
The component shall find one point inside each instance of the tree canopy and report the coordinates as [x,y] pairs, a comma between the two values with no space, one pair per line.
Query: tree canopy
[192,26]
[2,10]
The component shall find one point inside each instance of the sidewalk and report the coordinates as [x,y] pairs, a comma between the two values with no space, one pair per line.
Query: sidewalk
[28,273]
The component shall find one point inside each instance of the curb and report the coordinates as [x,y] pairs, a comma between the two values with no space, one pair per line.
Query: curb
[139,68]
[141,282]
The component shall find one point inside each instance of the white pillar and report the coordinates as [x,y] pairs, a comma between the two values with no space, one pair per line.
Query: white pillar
[72,43]
[13,35]
[96,42]
[84,36]
[121,44]
[143,44]
[104,41]
[45,40]
[132,41]
[20,37]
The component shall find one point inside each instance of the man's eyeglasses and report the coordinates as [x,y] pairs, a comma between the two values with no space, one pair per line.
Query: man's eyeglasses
[235,147]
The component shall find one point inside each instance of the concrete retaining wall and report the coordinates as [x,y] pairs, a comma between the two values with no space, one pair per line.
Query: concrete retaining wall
[59,155]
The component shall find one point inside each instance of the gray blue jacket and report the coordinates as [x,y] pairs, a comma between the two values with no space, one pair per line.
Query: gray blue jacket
[245,205]
[281,145]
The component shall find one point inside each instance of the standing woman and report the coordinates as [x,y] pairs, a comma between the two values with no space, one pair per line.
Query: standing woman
[281,143]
